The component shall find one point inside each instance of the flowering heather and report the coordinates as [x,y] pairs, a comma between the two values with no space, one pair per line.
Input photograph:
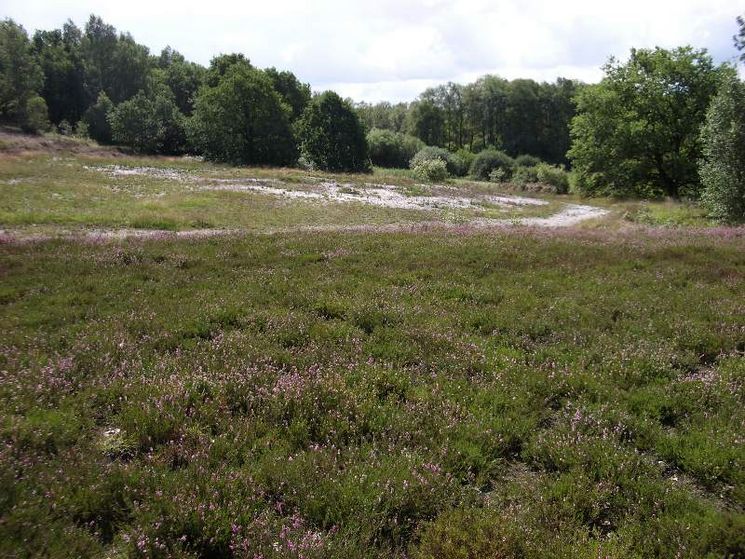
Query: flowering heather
[433,393]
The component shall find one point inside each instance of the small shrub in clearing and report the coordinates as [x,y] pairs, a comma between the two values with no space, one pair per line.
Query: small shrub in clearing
[432,152]
[525,175]
[553,175]
[497,175]
[464,158]
[430,170]
[488,160]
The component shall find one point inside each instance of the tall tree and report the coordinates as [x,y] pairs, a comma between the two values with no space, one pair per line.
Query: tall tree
[59,54]
[242,119]
[295,93]
[426,121]
[21,78]
[116,65]
[723,163]
[331,135]
[637,131]
[182,77]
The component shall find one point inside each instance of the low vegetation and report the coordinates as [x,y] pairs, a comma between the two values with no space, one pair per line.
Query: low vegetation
[435,395]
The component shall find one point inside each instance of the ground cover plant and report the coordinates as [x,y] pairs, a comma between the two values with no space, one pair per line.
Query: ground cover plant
[458,393]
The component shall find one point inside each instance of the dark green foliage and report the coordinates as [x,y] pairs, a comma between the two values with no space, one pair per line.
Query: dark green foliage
[116,65]
[723,163]
[331,135]
[293,92]
[220,65]
[35,115]
[384,115]
[21,77]
[241,119]
[392,149]
[60,57]
[489,160]
[637,132]
[426,121]
[149,123]
[452,163]
[740,37]
[96,119]
[182,77]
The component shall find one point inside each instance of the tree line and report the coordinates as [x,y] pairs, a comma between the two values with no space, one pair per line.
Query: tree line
[665,122]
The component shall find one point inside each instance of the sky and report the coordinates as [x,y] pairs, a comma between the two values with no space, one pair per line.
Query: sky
[391,50]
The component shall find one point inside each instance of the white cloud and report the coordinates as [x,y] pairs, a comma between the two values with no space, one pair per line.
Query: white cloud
[392,49]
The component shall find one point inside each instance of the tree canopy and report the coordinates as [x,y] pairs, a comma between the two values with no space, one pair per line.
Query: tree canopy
[637,131]
[331,135]
[242,119]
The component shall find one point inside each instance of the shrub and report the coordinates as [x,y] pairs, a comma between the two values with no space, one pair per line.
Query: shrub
[331,135]
[722,167]
[555,176]
[65,128]
[36,115]
[488,160]
[464,158]
[527,161]
[430,169]
[392,149]
[432,152]
[525,175]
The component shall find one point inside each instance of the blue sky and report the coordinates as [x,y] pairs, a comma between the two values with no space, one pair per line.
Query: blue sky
[392,50]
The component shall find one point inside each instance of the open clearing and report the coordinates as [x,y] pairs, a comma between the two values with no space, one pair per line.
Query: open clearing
[275,363]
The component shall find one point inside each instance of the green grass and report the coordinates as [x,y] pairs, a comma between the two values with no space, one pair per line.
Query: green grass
[374,395]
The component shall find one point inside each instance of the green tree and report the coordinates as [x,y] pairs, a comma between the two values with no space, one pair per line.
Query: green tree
[426,121]
[637,131]
[58,52]
[96,119]
[149,123]
[21,78]
[116,65]
[331,135]
[722,167]
[392,149]
[220,65]
[740,38]
[295,93]
[182,77]
[242,120]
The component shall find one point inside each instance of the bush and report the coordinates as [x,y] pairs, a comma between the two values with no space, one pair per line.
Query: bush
[489,160]
[555,176]
[331,135]
[722,167]
[464,158]
[430,169]
[544,174]
[525,175]
[392,149]
[36,115]
[96,119]
[432,152]
[527,161]
[65,128]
